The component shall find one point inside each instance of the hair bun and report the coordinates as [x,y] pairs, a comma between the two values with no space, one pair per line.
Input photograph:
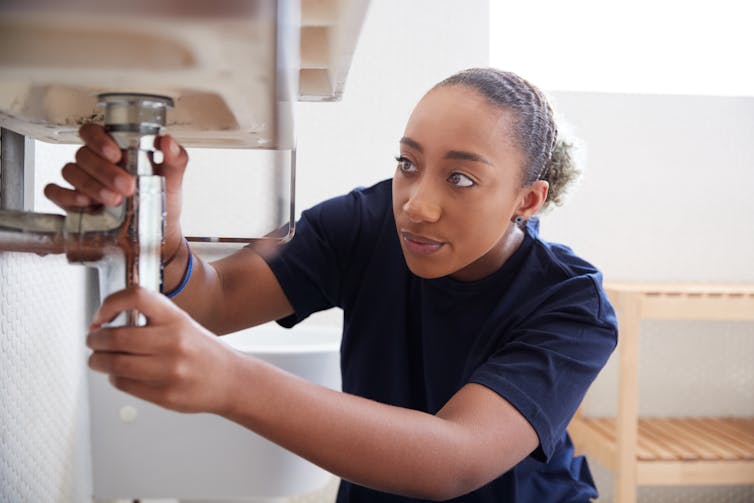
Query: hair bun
[561,172]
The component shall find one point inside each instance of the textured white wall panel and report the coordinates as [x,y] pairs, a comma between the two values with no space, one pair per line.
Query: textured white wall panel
[44,414]
[44,434]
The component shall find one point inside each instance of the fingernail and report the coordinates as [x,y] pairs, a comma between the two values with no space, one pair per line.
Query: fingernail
[174,148]
[123,185]
[112,153]
[109,196]
[82,200]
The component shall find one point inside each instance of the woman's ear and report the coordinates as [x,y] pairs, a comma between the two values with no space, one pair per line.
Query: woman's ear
[532,199]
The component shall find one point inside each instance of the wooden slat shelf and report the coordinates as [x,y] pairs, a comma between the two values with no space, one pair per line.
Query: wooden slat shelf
[686,439]
[668,451]
[695,451]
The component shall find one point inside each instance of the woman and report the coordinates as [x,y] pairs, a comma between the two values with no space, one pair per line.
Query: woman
[468,341]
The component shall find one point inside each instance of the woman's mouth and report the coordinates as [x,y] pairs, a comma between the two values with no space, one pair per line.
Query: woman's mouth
[420,245]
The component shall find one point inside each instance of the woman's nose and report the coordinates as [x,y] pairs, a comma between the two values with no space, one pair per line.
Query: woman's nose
[422,206]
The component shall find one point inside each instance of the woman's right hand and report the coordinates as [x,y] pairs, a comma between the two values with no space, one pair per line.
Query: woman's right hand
[98,180]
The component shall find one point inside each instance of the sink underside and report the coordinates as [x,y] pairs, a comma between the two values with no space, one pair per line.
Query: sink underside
[219,72]
[222,68]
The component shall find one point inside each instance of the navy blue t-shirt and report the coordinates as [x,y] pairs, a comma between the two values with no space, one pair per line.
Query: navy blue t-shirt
[537,332]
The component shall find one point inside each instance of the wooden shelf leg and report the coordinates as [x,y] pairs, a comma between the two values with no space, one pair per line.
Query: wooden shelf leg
[627,421]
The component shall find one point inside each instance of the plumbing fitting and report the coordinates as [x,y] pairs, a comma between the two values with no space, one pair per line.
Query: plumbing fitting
[123,242]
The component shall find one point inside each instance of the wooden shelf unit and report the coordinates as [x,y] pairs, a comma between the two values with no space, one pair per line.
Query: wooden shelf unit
[667,451]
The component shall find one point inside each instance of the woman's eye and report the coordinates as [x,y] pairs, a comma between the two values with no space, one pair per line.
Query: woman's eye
[460,180]
[405,165]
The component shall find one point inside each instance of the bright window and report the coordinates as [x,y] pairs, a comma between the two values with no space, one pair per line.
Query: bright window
[638,46]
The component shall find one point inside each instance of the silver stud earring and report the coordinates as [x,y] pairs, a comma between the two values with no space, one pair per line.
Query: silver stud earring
[519,220]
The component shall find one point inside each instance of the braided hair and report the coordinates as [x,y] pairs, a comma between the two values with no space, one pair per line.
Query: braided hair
[547,157]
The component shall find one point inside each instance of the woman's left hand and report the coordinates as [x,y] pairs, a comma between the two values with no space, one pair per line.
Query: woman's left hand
[172,361]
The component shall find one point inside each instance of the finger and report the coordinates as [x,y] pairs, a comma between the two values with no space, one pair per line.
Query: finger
[89,186]
[174,160]
[147,369]
[156,307]
[96,138]
[67,199]
[112,177]
[156,394]
[133,340]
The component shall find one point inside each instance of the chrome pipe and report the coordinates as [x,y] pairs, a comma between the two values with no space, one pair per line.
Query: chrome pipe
[134,121]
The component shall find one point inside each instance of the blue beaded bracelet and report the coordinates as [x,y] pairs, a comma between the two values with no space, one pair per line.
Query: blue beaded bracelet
[186,274]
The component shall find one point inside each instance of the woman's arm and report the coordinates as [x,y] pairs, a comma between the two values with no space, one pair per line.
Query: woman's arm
[233,293]
[473,439]
[176,363]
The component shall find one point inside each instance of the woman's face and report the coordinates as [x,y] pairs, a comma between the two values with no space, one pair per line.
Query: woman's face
[457,186]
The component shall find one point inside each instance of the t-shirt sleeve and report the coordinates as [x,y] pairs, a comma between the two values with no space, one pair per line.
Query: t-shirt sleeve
[545,366]
[311,267]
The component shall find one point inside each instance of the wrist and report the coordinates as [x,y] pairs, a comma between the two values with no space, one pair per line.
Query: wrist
[168,258]
[183,257]
[233,401]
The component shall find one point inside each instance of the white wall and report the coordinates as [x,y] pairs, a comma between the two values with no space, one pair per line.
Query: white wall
[665,196]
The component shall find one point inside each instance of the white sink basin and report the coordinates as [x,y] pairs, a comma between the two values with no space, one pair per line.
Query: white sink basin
[140,450]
